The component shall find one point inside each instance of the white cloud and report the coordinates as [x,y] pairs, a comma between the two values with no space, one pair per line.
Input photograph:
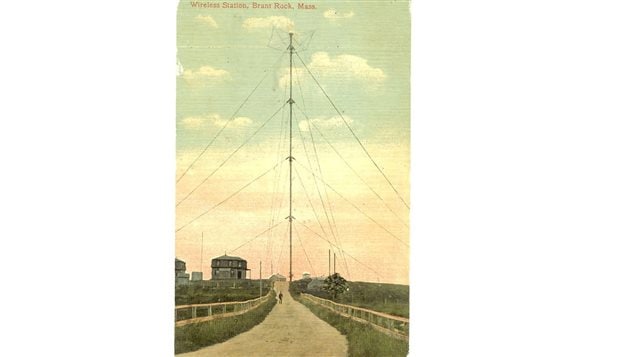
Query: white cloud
[237,122]
[208,20]
[279,22]
[208,71]
[204,72]
[193,122]
[198,122]
[342,67]
[325,123]
[333,14]
[346,65]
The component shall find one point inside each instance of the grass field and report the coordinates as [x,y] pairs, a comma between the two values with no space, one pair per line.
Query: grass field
[363,340]
[208,292]
[195,336]
[388,298]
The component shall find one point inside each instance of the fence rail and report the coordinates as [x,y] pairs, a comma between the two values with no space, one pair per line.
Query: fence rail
[395,326]
[194,313]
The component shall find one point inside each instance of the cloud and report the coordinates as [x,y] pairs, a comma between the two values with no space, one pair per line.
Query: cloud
[324,123]
[199,122]
[342,67]
[346,65]
[237,122]
[208,20]
[279,22]
[204,72]
[332,14]
[193,122]
[208,71]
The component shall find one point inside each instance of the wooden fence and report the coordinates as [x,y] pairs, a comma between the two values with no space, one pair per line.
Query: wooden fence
[189,314]
[395,326]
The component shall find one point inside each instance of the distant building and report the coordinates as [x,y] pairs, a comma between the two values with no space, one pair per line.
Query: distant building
[180,276]
[229,268]
[306,275]
[197,276]
[179,267]
[277,277]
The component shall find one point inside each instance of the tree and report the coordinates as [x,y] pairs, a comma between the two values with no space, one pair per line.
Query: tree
[335,284]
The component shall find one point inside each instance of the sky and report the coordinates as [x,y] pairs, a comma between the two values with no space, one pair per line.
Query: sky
[232,137]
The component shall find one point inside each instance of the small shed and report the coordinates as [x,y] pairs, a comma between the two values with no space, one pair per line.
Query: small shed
[277,277]
[182,279]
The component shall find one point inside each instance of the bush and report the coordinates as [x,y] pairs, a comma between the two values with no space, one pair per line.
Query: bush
[388,298]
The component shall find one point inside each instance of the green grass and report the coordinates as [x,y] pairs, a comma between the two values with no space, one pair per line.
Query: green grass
[388,298]
[207,292]
[195,336]
[363,340]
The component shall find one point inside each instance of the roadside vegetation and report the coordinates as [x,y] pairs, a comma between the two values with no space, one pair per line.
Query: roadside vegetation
[195,336]
[206,292]
[363,340]
[387,298]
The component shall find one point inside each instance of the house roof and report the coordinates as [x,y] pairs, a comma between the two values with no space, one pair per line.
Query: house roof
[227,257]
[178,260]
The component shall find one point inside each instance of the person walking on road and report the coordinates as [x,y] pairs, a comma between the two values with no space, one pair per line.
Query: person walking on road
[280,298]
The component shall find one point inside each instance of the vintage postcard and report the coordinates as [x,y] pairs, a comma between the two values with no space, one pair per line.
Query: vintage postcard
[292,178]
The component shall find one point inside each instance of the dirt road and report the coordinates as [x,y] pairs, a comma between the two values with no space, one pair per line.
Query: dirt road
[289,330]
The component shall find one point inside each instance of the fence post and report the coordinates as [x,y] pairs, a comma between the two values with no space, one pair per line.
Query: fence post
[209,310]
[193,311]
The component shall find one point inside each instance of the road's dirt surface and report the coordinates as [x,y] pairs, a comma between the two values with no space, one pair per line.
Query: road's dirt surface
[290,329]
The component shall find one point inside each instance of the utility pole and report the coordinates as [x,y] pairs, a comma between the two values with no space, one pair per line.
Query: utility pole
[290,101]
[260,278]
[201,254]
[329,262]
[334,263]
